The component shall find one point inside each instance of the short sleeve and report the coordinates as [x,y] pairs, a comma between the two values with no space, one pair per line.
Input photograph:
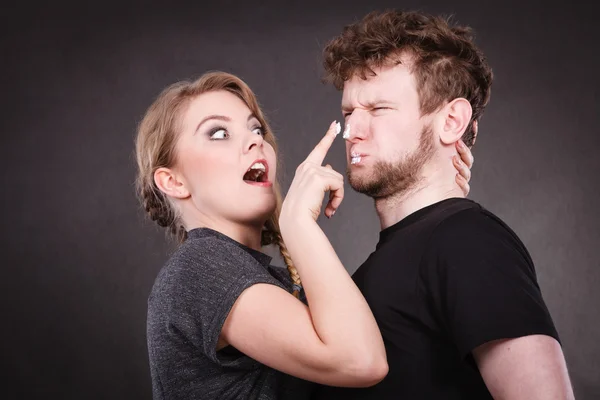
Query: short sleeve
[199,287]
[481,282]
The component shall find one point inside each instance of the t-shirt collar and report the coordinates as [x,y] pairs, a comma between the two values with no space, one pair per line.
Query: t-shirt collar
[198,233]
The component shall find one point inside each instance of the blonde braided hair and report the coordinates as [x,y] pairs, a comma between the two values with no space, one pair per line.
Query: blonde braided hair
[272,235]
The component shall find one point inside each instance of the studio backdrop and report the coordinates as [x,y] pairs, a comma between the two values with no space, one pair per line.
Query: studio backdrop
[78,255]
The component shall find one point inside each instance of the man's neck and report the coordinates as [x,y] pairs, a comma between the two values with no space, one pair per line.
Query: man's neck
[395,208]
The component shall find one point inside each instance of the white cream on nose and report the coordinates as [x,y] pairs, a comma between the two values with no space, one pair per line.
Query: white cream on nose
[346,134]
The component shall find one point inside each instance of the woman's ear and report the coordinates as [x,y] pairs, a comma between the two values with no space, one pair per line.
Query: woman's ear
[170,183]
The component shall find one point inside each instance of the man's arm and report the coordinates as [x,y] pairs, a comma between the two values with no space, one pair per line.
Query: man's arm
[493,309]
[530,367]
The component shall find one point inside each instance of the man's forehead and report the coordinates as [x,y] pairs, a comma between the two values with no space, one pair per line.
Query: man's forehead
[363,89]
[384,84]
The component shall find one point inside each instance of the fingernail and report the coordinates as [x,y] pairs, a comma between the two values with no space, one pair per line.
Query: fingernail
[338,128]
[333,213]
[461,144]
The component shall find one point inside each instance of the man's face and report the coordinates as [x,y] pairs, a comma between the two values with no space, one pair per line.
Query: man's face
[389,142]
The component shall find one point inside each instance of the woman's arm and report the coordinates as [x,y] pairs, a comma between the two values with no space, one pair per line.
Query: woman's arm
[336,341]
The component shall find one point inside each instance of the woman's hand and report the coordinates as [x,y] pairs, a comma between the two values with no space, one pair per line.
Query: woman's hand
[463,164]
[311,181]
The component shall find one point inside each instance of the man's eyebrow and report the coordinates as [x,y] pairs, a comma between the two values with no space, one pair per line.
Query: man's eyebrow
[378,102]
[368,105]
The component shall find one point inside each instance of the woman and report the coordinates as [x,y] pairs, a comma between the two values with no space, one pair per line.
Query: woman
[222,322]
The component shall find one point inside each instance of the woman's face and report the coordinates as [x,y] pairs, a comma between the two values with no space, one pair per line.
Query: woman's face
[224,162]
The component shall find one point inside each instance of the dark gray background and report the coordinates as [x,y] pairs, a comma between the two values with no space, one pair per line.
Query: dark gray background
[78,259]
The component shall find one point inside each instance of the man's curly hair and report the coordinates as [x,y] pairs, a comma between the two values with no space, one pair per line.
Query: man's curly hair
[444,59]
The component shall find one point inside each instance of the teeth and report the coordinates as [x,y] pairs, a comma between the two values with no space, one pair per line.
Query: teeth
[355,160]
[259,166]
[353,154]
[255,172]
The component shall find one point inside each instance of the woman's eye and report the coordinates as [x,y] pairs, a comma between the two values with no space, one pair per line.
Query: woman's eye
[219,134]
[259,131]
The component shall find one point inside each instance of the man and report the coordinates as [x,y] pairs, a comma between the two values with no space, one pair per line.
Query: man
[453,289]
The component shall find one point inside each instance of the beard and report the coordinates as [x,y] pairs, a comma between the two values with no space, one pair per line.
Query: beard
[395,178]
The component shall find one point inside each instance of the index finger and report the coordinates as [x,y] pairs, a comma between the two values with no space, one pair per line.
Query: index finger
[320,151]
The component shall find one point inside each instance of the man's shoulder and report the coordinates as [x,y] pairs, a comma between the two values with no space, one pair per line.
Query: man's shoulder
[432,216]
[471,227]
[469,218]
[451,216]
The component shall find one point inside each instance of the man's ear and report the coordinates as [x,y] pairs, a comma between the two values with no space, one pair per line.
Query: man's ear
[453,119]
[170,183]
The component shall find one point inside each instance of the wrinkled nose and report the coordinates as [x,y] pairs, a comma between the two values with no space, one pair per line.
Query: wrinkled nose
[356,128]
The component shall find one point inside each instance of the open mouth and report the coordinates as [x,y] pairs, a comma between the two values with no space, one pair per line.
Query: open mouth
[257,173]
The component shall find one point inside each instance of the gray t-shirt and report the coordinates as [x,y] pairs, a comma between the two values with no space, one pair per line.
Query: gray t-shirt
[191,298]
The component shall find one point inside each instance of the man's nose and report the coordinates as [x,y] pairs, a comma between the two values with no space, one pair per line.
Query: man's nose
[356,128]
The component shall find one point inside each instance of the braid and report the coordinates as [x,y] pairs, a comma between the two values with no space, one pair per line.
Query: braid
[158,208]
[269,236]
[272,235]
[178,231]
[297,283]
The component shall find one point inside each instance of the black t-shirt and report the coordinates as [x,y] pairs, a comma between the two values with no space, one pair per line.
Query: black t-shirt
[441,282]
[189,303]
